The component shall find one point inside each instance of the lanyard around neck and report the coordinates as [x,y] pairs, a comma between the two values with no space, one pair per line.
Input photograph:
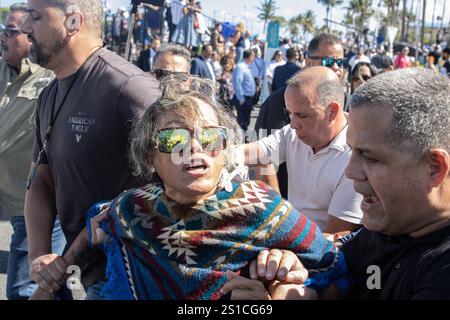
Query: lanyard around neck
[49,129]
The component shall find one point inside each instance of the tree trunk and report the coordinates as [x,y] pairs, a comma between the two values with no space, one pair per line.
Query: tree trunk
[442,17]
[432,20]
[424,10]
[404,21]
[328,18]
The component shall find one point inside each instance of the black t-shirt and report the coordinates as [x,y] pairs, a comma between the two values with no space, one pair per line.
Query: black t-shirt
[447,66]
[410,268]
[88,148]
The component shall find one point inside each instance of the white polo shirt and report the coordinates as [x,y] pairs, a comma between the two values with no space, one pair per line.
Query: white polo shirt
[317,185]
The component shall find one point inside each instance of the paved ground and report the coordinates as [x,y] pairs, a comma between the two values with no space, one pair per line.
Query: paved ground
[5,238]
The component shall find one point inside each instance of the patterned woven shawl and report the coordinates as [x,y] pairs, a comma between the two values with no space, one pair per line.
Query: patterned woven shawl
[153,254]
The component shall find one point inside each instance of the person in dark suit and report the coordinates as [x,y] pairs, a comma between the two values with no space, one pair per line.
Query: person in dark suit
[146,57]
[273,116]
[286,71]
[202,66]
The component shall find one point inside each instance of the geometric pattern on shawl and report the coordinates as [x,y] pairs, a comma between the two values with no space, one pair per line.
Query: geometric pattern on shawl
[155,254]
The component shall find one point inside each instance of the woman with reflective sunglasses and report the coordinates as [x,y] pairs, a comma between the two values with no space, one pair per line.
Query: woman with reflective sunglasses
[177,237]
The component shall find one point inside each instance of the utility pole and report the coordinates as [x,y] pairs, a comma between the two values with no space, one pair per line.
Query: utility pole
[424,10]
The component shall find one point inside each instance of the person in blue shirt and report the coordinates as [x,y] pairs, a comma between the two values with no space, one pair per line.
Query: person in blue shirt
[244,89]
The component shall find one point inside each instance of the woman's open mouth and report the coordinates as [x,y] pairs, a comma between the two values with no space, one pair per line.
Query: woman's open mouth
[197,167]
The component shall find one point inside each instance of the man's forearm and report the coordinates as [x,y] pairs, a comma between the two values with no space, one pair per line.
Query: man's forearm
[40,214]
[268,175]
[80,250]
[250,154]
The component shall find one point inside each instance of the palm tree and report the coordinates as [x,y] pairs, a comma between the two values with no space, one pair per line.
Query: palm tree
[363,12]
[410,16]
[434,12]
[293,26]
[267,11]
[280,20]
[393,8]
[307,21]
[330,4]
[348,18]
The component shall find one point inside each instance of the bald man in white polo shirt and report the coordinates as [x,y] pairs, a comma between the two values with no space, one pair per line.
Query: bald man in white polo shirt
[315,150]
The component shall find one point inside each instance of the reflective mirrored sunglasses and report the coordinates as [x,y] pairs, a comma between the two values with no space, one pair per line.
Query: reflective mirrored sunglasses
[161,73]
[178,139]
[329,61]
[9,32]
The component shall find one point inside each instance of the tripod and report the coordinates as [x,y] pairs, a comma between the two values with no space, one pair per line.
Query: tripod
[134,10]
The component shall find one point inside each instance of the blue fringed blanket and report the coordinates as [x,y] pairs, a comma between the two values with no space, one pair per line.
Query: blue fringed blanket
[153,254]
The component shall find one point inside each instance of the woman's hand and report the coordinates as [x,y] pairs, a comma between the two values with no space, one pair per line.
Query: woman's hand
[281,265]
[98,236]
[242,288]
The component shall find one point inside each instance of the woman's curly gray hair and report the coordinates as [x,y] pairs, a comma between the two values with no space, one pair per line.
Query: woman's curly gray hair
[180,96]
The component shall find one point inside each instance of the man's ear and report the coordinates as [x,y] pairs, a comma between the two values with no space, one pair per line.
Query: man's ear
[439,167]
[73,22]
[334,110]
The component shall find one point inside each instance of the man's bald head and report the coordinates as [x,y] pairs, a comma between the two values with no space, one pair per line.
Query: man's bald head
[322,82]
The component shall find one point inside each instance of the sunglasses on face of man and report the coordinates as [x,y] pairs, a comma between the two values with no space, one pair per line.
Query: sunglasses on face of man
[10,32]
[329,61]
[161,73]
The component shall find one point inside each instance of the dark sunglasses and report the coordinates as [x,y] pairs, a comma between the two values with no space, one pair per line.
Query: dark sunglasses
[328,61]
[9,32]
[179,139]
[161,73]
[363,78]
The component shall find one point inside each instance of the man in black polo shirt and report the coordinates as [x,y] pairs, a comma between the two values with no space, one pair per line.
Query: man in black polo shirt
[399,129]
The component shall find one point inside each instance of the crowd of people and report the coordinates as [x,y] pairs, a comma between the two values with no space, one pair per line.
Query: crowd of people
[145,176]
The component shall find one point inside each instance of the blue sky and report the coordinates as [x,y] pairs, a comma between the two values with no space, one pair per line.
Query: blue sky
[245,10]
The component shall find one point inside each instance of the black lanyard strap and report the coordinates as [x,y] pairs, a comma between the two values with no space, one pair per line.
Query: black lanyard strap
[49,130]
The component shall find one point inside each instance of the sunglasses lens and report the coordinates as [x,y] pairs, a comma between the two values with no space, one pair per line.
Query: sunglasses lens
[9,32]
[329,62]
[173,140]
[213,139]
[159,74]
